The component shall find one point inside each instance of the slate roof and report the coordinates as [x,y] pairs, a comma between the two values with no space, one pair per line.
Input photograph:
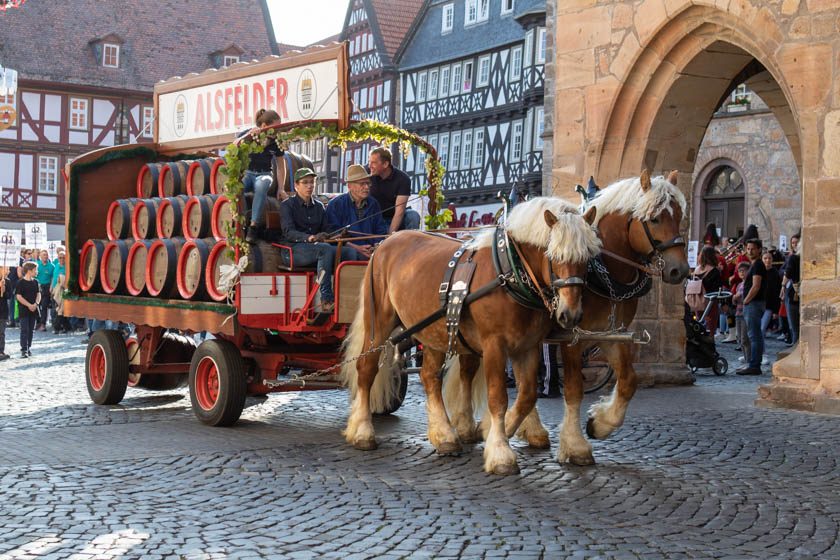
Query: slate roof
[55,41]
[425,44]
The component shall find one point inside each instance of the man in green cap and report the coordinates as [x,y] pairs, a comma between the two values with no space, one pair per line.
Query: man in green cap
[305,228]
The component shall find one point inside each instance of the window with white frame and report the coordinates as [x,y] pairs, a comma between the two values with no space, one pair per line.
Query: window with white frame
[741,94]
[516,142]
[529,43]
[476,11]
[456,79]
[468,76]
[478,151]
[483,71]
[448,18]
[539,129]
[230,60]
[380,94]
[433,140]
[358,42]
[422,84]
[421,161]
[363,98]
[48,175]
[541,38]
[515,63]
[148,122]
[443,151]
[455,151]
[466,160]
[78,113]
[371,97]
[433,84]
[507,7]
[352,48]
[444,81]
[356,101]
[386,91]
[111,55]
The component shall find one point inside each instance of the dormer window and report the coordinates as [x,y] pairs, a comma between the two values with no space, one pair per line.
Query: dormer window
[111,55]
[227,56]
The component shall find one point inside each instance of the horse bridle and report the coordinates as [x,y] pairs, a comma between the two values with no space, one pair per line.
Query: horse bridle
[658,247]
[555,285]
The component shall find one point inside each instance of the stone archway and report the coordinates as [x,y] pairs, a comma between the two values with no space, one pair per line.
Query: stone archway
[636,87]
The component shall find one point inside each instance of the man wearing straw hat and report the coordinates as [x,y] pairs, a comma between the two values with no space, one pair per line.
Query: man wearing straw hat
[357,211]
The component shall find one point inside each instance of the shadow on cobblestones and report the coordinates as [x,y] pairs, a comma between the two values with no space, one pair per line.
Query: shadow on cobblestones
[695,472]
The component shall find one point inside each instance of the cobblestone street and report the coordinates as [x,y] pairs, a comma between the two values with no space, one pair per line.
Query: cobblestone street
[695,472]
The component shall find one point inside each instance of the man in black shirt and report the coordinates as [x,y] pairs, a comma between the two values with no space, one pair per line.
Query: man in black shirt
[754,304]
[305,227]
[391,188]
[28,297]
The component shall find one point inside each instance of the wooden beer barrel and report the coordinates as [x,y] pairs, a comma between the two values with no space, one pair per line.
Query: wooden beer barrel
[264,257]
[173,178]
[221,215]
[191,265]
[170,215]
[144,219]
[285,167]
[135,267]
[161,267]
[195,220]
[118,219]
[89,260]
[198,177]
[112,266]
[218,176]
[147,180]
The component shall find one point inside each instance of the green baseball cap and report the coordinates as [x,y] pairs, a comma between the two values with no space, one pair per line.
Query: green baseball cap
[304,172]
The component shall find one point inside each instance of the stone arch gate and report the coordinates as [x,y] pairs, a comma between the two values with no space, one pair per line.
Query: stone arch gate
[635,85]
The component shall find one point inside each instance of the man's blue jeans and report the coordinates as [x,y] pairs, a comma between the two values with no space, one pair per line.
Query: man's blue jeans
[411,219]
[307,254]
[259,184]
[753,312]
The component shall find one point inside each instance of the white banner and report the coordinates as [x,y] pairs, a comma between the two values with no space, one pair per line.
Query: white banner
[693,247]
[297,94]
[53,247]
[10,247]
[783,243]
[36,235]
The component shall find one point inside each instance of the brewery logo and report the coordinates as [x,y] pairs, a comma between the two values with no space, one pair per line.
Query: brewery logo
[179,119]
[307,94]
[35,229]
[7,116]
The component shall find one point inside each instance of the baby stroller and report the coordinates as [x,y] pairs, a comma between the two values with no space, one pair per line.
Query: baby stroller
[700,351]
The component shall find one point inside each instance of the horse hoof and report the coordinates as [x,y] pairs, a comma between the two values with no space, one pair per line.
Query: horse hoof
[596,432]
[583,460]
[365,444]
[449,448]
[506,470]
[539,442]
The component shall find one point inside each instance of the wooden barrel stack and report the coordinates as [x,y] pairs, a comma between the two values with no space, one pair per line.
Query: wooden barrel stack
[171,240]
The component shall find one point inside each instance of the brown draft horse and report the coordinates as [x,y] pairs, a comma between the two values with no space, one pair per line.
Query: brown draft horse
[639,220]
[404,276]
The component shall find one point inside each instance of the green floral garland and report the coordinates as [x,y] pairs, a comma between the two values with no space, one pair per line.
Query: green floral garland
[237,157]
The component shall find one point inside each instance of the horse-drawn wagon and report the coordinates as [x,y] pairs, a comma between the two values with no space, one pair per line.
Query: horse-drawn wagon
[156,242]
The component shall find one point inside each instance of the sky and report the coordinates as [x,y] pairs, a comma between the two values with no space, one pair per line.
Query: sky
[302,22]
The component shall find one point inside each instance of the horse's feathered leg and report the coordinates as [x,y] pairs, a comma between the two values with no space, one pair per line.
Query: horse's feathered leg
[526,368]
[533,431]
[499,458]
[607,415]
[573,446]
[441,433]
[457,395]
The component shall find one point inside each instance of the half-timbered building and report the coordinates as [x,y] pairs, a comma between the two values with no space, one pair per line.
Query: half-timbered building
[472,75]
[375,29]
[87,83]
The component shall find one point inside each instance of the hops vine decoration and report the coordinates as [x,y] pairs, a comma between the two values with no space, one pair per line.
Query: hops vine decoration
[237,157]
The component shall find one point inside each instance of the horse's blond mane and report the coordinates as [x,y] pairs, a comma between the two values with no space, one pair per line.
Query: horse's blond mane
[627,197]
[571,240]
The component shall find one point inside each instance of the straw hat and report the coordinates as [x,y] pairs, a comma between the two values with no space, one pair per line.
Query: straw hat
[357,174]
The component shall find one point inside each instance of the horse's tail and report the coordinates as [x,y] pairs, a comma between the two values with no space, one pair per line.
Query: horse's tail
[387,381]
[452,390]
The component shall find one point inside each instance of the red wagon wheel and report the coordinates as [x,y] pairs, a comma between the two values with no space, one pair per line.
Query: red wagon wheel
[106,367]
[217,383]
